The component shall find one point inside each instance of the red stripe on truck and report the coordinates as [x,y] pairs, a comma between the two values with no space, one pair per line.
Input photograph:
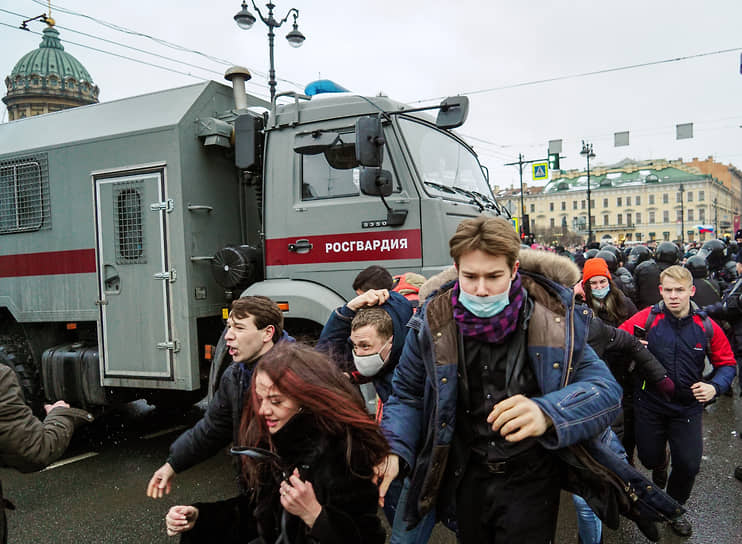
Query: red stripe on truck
[74,261]
[349,247]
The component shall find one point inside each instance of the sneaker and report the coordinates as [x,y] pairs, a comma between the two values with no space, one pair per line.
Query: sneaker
[738,473]
[682,526]
[649,529]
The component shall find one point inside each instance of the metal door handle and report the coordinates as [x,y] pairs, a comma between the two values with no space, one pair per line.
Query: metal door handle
[301,246]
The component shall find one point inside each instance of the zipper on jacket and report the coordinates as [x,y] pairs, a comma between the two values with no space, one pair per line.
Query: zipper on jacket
[571,330]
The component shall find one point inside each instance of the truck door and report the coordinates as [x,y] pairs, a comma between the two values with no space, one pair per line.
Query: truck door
[134,275]
[327,231]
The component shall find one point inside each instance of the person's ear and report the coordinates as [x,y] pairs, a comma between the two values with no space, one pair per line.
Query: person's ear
[515,270]
[270,330]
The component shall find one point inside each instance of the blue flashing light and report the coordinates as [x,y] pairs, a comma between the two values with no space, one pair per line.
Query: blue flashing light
[322,86]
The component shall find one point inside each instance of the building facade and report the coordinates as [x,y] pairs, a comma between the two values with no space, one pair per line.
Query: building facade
[635,202]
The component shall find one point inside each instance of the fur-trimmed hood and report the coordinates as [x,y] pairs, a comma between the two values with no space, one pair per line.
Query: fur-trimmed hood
[545,263]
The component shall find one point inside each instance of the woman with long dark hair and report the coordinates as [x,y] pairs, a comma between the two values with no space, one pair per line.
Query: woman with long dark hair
[606,300]
[306,413]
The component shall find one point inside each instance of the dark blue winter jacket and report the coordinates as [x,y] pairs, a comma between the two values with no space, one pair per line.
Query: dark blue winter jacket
[682,345]
[334,339]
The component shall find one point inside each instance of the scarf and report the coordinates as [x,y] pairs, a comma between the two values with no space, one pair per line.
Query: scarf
[489,329]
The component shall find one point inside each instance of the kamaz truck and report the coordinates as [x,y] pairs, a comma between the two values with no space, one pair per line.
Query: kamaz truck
[127,227]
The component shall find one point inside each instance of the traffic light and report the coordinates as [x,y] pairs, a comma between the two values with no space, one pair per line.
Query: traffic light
[554,161]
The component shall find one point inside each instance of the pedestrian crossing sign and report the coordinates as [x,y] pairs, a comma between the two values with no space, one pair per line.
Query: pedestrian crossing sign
[540,170]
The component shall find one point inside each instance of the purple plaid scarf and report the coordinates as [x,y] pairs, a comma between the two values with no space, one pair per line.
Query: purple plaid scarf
[489,329]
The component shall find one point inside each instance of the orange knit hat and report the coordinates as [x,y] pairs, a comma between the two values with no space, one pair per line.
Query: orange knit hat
[595,267]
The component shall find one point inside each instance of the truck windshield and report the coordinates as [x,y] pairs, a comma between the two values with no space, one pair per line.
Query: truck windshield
[447,168]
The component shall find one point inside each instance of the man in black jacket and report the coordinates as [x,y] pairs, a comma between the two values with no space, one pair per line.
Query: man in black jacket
[254,326]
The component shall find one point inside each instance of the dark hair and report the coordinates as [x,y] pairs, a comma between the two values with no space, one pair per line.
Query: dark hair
[493,235]
[373,277]
[613,305]
[263,310]
[376,318]
[322,390]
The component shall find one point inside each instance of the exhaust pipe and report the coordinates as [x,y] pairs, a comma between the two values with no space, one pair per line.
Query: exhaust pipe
[238,75]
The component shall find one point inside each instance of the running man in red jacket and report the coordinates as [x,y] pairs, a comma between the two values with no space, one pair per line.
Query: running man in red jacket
[680,336]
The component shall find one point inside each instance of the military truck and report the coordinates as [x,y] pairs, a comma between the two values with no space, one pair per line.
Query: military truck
[126,227]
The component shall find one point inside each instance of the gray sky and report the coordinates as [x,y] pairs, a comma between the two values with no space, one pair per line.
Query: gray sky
[414,50]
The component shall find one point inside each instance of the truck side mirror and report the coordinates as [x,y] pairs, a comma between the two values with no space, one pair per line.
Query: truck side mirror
[247,140]
[453,112]
[369,141]
[316,142]
[376,182]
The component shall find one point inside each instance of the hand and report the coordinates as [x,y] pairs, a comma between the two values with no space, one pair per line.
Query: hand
[703,392]
[372,297]
[518,417]
[666,387]
[387,470]
[161,482]
[180,519]
[59,404]
[298,498]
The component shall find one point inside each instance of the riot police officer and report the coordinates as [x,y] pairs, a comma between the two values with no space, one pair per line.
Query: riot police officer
[708,290]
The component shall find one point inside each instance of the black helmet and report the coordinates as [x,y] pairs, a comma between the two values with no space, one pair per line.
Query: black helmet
[617,253]
[697,266]
[732,250]
[639,254]
[591,253]
[668,253]
[713,251]
[609,258]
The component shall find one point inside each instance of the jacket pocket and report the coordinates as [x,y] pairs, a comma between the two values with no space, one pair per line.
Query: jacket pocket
[577,397]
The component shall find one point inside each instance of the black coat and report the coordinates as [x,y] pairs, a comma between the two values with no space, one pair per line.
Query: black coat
[220,425]
[348,497]
[707,292]
[618,345]
[647,276]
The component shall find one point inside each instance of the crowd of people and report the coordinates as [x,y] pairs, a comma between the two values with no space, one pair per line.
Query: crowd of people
[511,376]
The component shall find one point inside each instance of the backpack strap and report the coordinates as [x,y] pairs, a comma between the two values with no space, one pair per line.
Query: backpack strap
[708,327]
[656,309]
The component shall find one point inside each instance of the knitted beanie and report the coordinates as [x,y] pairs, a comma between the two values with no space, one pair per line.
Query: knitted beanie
[595,267]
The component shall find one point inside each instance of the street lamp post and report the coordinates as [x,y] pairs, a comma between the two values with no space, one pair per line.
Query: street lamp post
[245,20]
[682,217]
[587,150]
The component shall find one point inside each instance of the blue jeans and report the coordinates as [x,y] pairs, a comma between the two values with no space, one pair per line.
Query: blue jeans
[420,534]
[589,526]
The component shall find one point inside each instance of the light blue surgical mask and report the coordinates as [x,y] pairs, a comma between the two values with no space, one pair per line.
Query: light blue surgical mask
[485,306]
[600,294]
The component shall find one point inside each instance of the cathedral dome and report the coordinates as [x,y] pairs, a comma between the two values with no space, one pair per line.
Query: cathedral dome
[48,79]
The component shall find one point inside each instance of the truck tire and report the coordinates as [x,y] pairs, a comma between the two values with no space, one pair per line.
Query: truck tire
[15,354]
[219,363]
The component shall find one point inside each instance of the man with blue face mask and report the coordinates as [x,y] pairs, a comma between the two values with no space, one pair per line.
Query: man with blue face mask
[494,388]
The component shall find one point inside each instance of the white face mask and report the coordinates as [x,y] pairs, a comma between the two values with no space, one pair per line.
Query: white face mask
[370,365]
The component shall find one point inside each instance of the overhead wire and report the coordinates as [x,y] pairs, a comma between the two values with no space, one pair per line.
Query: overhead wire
[586,74]
[255,85]
[160,41]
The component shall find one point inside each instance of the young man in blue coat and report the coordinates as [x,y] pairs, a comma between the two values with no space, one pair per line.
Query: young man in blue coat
[495,381]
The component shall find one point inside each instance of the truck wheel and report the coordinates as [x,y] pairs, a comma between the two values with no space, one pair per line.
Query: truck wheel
[13,353]
[219,363]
